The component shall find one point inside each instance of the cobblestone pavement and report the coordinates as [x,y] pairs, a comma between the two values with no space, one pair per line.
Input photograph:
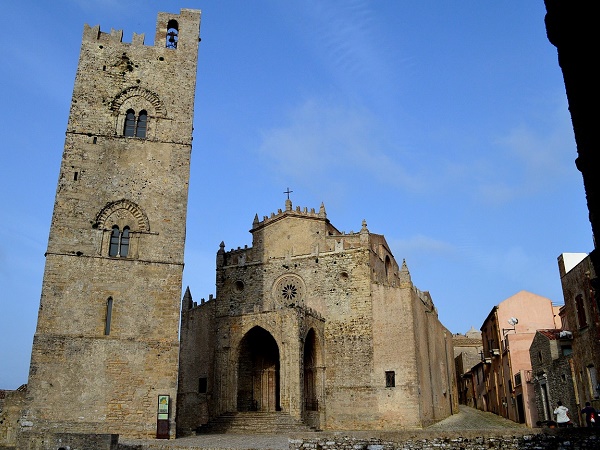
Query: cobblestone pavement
[473,419]
[468,421]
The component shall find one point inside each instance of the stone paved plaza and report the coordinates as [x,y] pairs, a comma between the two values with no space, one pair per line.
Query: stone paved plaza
[469,422]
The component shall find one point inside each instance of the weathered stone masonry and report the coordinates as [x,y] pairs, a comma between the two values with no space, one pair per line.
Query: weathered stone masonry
[106,343]
[319,324]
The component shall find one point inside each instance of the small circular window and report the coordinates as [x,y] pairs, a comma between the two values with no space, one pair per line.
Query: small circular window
[238,286]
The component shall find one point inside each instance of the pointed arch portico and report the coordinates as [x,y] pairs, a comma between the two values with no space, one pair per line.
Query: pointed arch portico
[258,370]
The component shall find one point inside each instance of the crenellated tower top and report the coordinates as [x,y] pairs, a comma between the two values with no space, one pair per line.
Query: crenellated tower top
[170,28]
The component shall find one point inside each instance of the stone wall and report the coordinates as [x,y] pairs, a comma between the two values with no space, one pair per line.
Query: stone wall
[66,441]
[584,439]
[11,404]
[552,375]
[196,362]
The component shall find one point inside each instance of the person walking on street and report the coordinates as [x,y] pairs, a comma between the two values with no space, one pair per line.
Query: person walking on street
[590,415]
[562,415]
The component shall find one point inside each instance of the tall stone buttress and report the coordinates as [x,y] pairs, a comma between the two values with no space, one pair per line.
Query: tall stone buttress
[106,344]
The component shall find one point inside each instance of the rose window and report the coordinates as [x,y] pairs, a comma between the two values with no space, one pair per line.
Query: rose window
[289,289]
[289,292]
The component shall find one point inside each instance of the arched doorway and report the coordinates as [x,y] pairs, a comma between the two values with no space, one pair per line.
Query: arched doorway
[258,372]
[311,398]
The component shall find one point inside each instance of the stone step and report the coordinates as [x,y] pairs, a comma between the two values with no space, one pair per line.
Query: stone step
[254,423]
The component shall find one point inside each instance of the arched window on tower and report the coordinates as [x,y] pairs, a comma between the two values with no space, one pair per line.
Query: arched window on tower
[124,249]
[135,126]
[119,242]
[114,241]
[172,34]
[129,128]
[140,129]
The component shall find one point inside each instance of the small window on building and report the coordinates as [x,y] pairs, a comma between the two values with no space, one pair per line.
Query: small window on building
[129,128]
[581,317]
[566,350]
[390,379]
[108,318]
[119,242]
[202,385]
[114,241]
[135,126]
[540,356]
[140,130]
[593,380]
[124,250]
[518,379]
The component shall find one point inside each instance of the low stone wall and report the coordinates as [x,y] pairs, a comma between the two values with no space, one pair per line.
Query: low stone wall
[67,441]
[11,404]
[575,438]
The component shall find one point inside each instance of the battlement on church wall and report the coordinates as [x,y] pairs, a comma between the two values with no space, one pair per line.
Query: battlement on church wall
[298,212]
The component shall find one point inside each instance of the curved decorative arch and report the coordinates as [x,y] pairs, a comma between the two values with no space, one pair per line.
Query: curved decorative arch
[258,371]
[136,91]
[143,224]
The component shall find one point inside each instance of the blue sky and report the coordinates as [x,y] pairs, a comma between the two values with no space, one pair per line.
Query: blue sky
[444,124]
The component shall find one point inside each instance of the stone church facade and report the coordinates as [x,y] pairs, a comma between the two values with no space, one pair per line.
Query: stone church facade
[322,325]
[310,322]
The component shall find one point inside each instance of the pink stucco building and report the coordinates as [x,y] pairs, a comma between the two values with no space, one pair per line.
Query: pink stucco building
[507,333]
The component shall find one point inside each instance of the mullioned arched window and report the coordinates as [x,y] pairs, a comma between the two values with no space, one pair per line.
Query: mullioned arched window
[119,242]
[135,126]
[122,224]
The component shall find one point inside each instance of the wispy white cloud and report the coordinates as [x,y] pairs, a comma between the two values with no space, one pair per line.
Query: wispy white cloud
[347,37]
[422,244]
[540,154]
[333,143]
[529,159]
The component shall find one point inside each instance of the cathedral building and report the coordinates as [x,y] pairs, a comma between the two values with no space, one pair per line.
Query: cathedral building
[309,323]
[318,324]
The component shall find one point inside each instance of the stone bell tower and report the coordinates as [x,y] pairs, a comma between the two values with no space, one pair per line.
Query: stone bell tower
[106,344]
